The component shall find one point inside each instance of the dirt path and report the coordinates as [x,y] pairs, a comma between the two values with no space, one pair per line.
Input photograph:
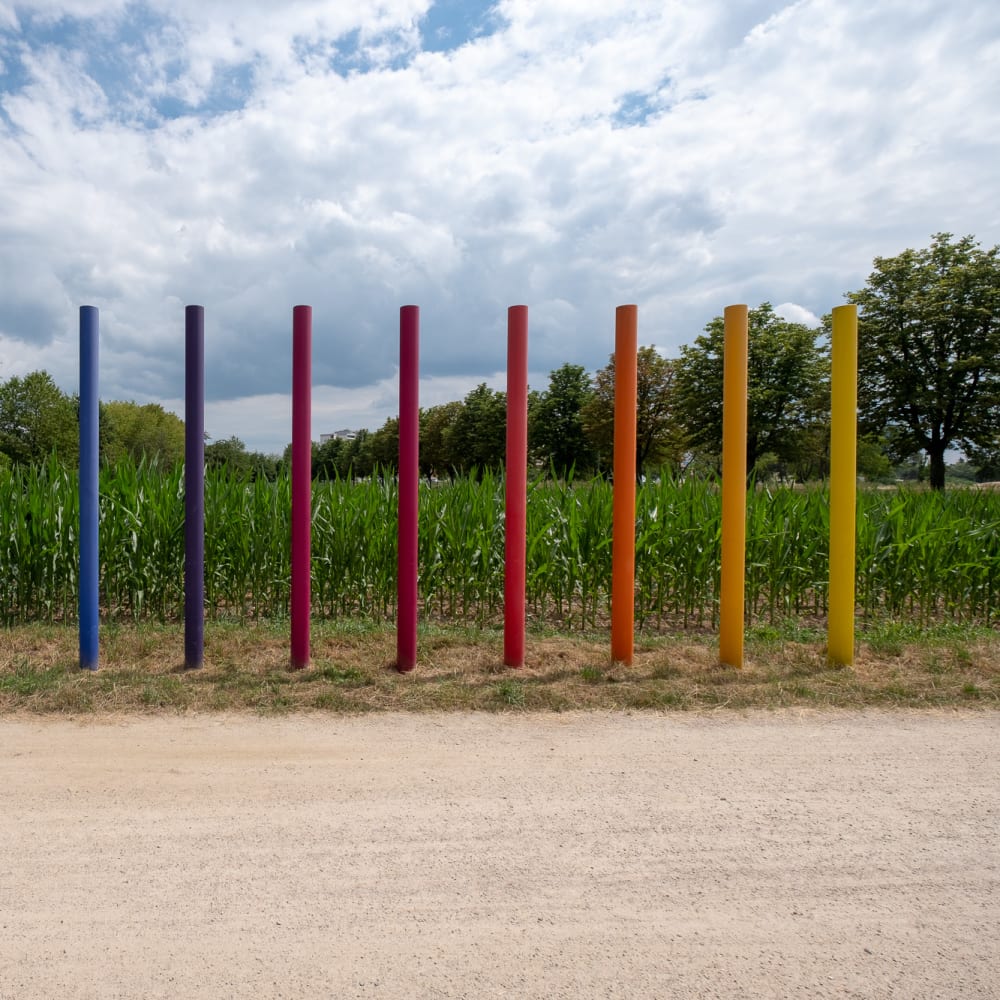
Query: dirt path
[516,856]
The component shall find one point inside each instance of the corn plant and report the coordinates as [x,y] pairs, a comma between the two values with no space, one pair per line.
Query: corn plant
[924,556]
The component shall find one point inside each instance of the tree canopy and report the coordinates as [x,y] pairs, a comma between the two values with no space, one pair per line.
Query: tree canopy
[659,436]
[36,419]
[787,392]
[555,428]
[929,350]
[141,431]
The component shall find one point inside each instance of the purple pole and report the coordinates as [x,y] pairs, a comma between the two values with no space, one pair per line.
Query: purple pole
[409,476]
[301,481]
[515,522]
[194,487]
[89,583]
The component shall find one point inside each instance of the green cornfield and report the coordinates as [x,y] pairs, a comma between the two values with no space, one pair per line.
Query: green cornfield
[924,557]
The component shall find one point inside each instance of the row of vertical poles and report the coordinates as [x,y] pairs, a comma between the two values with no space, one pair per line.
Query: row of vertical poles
[843,487]
[515,489]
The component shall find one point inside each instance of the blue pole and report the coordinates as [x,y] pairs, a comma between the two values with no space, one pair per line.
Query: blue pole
[194,487]
[89,449]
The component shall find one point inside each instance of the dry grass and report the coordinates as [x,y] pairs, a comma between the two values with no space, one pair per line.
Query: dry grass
[246,669]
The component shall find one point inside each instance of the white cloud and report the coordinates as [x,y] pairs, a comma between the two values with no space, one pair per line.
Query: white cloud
[583,155]
[797,314]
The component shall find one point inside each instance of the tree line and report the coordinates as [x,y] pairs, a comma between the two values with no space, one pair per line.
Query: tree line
[929,383]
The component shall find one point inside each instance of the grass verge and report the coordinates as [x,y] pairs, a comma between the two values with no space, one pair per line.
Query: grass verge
[246,669]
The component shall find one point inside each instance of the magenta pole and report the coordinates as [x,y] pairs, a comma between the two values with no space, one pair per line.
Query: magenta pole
[301,481]
[516,499]
[409,480]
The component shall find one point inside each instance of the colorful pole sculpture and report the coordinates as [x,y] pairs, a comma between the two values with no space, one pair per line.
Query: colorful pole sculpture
[89,582]
[623,502]
[194,487]
[301,482]
[516,498]
[843,484]
[409,482]
[734,485]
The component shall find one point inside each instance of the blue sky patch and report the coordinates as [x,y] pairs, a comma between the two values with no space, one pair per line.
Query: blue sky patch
[119,54]
[449,24]
[636,108]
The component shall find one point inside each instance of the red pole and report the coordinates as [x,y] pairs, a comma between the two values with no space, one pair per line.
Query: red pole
[623,501]
[515,522]
[301,481]
[409,479]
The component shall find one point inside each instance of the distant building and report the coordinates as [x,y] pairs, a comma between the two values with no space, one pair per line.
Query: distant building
[342,435]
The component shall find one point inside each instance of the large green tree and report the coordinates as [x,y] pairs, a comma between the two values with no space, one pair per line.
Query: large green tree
[787,392]
[36,419]
[141,431]
[555,427]
[478,437]
[383,446]
[436,426]
[659,434]
[929,350]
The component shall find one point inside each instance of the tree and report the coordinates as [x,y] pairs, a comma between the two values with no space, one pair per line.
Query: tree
[787,392]
[555,426]
[929,349]
[986,461]
[357,456]
[330,459]
[659,435]
[231,454]
[436,427]
[36,419]
[146,431]
[383,446]
[479,435]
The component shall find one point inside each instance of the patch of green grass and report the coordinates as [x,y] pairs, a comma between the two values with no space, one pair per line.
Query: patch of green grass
[26,681]
[510,693]
[346,676]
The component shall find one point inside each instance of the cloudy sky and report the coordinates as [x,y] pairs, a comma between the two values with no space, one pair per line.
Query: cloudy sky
[572,155]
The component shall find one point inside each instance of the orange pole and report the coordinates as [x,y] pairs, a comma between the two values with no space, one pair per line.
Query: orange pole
[623,514]
[734,485]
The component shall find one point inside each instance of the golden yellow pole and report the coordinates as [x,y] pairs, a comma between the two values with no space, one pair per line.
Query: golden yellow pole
[623,500]
[734,485]
[843,484]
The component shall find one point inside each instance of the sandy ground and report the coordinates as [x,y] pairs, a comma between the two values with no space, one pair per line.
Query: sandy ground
[486,856]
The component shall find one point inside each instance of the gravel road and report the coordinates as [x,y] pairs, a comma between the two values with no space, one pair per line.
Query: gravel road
[578,855]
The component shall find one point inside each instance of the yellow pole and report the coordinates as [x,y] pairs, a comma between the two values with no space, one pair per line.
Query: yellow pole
[843,484]
[623,499]
[734,485]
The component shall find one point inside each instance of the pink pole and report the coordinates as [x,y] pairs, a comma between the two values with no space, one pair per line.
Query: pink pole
[301,481]
[515,539]
[409,478]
